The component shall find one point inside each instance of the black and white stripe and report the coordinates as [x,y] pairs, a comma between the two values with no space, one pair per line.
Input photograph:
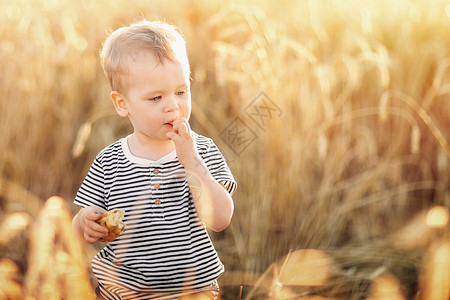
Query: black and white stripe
[165,249]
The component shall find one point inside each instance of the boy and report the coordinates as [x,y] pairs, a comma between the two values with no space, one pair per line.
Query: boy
[165,251]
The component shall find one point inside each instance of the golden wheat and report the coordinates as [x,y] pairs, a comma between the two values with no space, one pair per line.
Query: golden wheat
[356,164]
[57,267]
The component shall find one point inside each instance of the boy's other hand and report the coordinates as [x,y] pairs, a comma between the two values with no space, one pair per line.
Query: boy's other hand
[91,231]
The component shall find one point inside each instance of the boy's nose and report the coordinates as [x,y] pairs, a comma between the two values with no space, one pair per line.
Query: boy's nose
[171,104]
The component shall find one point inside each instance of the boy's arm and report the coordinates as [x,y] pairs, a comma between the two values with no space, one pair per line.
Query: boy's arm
[85,226]
[213,202]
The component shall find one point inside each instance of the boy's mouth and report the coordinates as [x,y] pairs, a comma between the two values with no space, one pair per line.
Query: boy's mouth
[171,122]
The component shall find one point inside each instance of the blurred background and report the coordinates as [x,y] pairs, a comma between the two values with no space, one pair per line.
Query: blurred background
[334,117]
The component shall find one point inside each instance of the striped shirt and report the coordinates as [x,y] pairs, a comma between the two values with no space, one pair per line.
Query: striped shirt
[165,250]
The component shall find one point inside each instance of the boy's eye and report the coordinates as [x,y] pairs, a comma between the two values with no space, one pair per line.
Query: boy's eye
[157,98]
[181,93]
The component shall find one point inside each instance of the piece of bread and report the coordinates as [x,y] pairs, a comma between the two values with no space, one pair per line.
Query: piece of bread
[113,221]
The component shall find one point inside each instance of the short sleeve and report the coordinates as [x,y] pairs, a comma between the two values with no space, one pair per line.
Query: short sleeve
[92,191]
[218,167]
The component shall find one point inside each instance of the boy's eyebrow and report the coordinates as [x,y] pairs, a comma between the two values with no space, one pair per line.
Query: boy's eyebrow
[186,84]
[160,91]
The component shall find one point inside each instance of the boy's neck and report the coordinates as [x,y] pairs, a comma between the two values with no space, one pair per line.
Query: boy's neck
[149,148]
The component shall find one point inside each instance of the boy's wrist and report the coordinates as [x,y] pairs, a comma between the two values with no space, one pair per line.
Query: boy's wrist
[195,166]
[198,169]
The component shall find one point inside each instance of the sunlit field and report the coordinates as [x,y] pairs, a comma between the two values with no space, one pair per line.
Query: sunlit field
[334,117]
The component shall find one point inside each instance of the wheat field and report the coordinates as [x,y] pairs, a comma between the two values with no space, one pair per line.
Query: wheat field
[334,117]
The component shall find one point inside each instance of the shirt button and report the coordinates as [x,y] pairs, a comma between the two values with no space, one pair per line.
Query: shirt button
[156,171]
[157,202]
[157,186]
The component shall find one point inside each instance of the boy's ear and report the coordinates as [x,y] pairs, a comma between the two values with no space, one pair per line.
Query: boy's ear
[120,104]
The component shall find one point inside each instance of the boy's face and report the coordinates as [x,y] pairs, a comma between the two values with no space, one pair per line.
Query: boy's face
[157,94]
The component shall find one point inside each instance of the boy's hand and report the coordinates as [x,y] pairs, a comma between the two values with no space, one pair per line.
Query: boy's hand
[184,143]
[214,204]
[89,229]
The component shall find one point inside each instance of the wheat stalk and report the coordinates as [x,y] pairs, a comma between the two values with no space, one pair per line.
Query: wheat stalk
[56,261]
[437,133]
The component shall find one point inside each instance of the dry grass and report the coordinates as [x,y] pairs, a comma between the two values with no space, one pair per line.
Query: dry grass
[351,167]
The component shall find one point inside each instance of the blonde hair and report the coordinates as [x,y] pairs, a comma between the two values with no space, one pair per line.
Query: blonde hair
[161,38]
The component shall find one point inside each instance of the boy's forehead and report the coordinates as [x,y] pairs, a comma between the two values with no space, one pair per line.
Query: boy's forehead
[139,63]
[147,56]
[141,56]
